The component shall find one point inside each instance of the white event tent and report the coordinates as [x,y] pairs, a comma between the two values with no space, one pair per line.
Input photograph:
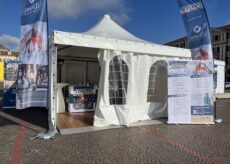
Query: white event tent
[131,78]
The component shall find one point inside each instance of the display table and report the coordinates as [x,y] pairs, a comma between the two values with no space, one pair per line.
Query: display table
[60,98]
[81,99]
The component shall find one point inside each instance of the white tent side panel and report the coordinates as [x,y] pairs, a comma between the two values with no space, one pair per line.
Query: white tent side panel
[220,68]
[145,78]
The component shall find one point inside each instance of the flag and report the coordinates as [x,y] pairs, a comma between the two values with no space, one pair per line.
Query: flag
[32,82]
[197,28]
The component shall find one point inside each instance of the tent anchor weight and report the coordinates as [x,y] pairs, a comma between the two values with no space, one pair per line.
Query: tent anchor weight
[218,120]
[45,135]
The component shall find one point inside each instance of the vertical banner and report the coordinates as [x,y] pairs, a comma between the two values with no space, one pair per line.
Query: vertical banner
[32,83]
[197,28]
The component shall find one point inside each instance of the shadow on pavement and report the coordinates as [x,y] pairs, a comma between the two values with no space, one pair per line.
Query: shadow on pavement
[34,116]
[4,121]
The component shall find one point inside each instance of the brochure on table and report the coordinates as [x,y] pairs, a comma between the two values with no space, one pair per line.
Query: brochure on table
[190,92]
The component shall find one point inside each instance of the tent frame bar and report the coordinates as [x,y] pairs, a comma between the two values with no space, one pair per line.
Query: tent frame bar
[52,104]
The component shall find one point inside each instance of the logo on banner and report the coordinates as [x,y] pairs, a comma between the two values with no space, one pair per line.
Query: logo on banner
[191,7]
[31,1]
[199,32]
[34,7]
[197,29]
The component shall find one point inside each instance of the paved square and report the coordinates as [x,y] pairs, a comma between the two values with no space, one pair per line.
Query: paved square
[144,144]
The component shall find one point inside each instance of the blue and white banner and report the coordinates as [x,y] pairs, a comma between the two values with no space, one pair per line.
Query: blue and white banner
[32,83]
[197,28]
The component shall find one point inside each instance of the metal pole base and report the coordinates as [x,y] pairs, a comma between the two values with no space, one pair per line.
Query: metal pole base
[218,120]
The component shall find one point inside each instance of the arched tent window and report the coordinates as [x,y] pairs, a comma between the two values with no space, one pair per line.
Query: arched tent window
[157,89]
[118,81]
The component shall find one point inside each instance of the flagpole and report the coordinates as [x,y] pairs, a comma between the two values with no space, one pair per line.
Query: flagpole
[51,130]
[48,56]
[214,88]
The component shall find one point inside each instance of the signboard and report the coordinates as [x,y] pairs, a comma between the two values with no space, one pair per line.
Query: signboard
[81,99]
[9,88]
[190,92]
[1,70]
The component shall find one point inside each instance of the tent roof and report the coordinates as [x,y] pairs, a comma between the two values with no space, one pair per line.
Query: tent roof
[107,34]
[107,28]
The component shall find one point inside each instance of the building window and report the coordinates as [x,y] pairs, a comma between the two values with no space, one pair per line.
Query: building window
[157,89]
[228,60]
[216,49]
[182,45]
[228,48]
[217,37]
[176,45]
[228,35]
[118,81]
[216,52]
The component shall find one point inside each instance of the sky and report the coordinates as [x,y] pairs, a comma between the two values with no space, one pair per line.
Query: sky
[157,21]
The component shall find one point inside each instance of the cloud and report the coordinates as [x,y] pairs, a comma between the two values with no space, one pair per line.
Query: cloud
[10,42]
[120,18]
[74,8]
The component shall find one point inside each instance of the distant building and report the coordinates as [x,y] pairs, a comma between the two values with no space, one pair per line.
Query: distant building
[8,66]
[6,54]
[220,43]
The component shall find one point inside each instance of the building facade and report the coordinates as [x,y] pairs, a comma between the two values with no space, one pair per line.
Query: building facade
[6,54]
[220,44]
[8,64]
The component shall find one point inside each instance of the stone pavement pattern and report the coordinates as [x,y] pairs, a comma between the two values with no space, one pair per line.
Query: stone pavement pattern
[144,144]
